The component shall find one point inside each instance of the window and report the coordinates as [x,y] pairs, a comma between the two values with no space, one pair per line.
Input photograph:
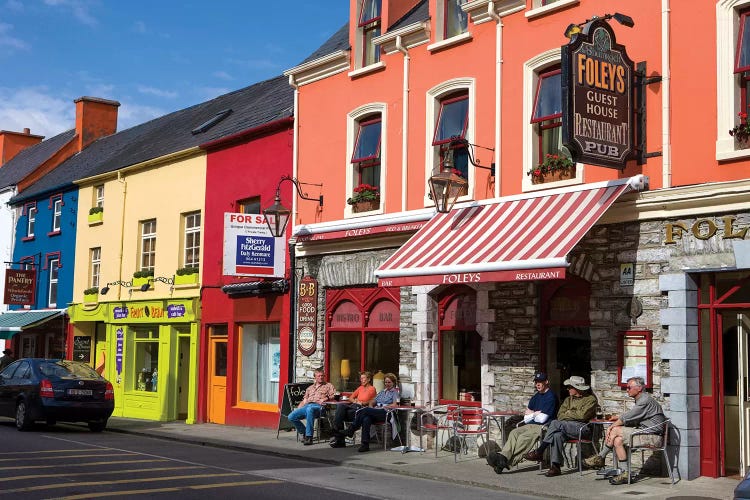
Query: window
[369,27]
[362,335]
[249,205]
[31,221]
[452,123]
[366,146]
[459,345]
[260,363]
[742,61]
[366,156]
[148,245]
[547,114]
[56,214]
[99,196]
[146,360]
[54,265]
[732,74]
[192,242]
[456,21]
[95,266]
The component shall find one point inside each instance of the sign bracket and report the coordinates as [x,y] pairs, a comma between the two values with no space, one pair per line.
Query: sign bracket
[641,81]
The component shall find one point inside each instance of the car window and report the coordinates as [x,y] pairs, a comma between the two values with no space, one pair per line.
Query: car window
[23,370]
[8,371]
[67,369]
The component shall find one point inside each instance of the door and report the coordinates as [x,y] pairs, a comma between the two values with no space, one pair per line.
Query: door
[183,377]
[217,380]
[743,404]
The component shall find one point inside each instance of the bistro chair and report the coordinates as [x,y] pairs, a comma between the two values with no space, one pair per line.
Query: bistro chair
[436,421]
[585,436]
[660,446]
[468,422]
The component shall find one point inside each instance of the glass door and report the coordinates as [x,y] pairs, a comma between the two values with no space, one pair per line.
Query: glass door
[743,404]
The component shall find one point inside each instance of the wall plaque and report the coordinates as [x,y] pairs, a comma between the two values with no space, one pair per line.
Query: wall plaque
[307,315]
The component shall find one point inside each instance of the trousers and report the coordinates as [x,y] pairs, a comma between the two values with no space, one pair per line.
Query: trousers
[309,412]
[558,432]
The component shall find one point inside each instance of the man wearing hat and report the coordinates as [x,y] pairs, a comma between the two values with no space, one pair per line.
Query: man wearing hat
[577,409]
[6,359]
[541,408]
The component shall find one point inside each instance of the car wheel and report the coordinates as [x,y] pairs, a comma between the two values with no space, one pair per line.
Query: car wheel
[97,425]
[23,420]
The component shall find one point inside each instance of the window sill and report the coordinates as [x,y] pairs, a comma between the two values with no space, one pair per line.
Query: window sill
[367,69]
[185,286]
[449,42]
[726,152]
[54,233]
[540,11]
[96,222]
[27,238]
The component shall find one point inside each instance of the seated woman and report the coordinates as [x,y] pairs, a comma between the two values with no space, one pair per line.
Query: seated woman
[346,412]
[376,411]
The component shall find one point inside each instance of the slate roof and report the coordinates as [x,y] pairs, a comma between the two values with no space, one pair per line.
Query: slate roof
[252,106]
[418,13]
[338,41]
[26,161]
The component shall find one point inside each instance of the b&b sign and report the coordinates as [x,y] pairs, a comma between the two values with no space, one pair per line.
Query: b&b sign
[597,91]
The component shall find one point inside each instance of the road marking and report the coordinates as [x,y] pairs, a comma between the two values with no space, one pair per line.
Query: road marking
[100,494]
[78,474]
[115,481]
[79,450]
[118,454]
[87,464]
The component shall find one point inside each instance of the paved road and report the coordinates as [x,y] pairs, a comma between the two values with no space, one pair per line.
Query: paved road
[67,461]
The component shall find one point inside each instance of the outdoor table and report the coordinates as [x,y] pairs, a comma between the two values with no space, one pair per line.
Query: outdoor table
[604,423]
[410,412]
[499,417]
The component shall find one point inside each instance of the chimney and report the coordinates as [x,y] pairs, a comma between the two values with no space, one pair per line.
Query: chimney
[12,143]
[95,118]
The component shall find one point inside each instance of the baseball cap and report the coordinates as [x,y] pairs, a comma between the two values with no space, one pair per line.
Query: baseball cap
[540,377]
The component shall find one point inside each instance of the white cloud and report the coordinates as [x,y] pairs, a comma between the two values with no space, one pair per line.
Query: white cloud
[8,41]
[169,94]
[79,9]
[131,114]
[223,75]
[37,109]
[208,93]
[139,27]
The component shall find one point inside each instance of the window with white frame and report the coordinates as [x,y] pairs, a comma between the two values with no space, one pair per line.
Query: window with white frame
[56,214]
[53,265]
[366,146]
[732,75]
[366,155]
[455,20]
[148,245]
[95,264]
[546,115]
[192,239]
[30,220]
[369,28]
[99,196]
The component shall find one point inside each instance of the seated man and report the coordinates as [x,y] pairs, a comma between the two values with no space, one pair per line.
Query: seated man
[521,439]
[646,413]
[310,406]
[345,412]
[577,409]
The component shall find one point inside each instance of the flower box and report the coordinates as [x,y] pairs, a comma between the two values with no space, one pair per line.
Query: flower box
[96,218]
[366,206]
[557,175]
[139,282]
[186,279]
[91,297]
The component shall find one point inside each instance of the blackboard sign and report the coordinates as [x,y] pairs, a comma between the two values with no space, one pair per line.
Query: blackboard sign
[293,395]
[82,349]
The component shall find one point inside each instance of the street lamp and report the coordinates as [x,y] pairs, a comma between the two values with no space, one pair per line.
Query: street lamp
[446,187]
[277,215]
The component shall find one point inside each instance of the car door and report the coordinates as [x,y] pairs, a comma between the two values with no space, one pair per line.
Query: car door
[7,403]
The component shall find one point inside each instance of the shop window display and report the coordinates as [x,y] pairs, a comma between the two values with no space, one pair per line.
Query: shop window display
[146,361]
[260,362]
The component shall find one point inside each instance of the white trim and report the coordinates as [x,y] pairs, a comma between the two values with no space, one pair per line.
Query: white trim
[420,215]
[352,126]
[531,69]
[432,110]
[366,69]
[411,35]
[539,10]
[727,90]
[480,10]
[448,42]
[320,68]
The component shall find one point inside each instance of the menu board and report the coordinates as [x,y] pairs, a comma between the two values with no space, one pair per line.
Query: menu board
[82,349]
[634,353]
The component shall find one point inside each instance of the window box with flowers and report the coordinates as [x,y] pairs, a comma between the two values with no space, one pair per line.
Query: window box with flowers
[91,295]
[365,199]
[186,276]
[553,168]
[741,131]
[141,278]
[96,215]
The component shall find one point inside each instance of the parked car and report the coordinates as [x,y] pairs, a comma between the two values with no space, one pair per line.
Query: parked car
[55,390]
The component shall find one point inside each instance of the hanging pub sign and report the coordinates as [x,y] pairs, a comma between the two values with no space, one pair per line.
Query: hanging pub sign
[597,98]
[20,287]
[307,315]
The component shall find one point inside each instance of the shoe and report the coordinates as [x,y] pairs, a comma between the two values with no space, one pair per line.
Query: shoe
[492,458]
[502,462]
[338,443]
[534,456]
[554,470]
[349,432]
[307,441]
[594,462]
[364,447]
[621,478]
[608,473]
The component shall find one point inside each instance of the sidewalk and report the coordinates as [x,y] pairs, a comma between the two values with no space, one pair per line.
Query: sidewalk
[470,470]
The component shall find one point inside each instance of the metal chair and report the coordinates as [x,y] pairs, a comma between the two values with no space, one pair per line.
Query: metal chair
[435,421]
[661,446]
[579,442]
[468,422]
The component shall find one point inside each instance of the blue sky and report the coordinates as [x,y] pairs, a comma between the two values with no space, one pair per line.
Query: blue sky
[154,56]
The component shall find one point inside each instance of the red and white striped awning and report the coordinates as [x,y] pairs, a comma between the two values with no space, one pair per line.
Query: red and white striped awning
[516,238]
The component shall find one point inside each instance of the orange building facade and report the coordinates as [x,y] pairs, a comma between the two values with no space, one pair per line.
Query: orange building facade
[544,263]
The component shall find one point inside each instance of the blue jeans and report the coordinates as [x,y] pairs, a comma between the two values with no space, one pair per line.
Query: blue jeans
[309,412]
[365,417]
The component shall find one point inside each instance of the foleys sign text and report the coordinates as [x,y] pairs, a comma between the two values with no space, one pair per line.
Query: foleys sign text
[704,229]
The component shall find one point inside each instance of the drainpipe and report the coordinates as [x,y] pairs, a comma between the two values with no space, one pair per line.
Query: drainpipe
[498,91]
[124,184]
[666,145]
[404,125]
[292,361]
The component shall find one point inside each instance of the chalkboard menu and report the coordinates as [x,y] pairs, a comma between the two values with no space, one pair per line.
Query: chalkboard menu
[82,349]
[293,395]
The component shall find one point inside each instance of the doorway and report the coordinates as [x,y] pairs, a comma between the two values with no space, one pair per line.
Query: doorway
[183,376]
[217,378]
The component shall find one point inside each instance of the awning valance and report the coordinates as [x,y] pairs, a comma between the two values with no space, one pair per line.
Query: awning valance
[516,238]
[12,322]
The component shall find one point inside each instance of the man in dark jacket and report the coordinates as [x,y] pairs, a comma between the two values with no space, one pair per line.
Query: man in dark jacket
[6,359]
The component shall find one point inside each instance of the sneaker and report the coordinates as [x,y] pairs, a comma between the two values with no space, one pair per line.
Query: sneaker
[607,473]
[338,444]
[308,441]
[594,462]
[554,470]
[621,478]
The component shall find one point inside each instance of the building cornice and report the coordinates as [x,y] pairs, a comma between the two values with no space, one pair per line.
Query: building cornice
[411,36]
[320,68]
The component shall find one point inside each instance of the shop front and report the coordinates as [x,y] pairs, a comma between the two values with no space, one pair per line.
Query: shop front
[147,349]
[35,333]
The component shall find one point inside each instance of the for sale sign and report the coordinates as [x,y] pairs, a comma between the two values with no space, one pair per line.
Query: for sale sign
[20,287]
[250,249]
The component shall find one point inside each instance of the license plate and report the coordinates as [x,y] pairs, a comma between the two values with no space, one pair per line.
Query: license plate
[79,392]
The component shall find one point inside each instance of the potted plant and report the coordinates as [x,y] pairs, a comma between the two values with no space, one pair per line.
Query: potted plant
[141,278]
[96,214]
[553,168]
[187,275]
[91,294]
[741,131]
[366,198]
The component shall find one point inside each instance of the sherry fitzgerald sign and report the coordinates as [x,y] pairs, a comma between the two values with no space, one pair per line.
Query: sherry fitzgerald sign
[597,91]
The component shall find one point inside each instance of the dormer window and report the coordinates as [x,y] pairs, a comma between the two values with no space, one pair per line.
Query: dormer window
[369,24]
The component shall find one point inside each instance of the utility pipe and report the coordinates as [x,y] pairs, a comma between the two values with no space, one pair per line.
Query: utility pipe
[498,92]
[292,361]
[666,143]
[124,184]
[404,126]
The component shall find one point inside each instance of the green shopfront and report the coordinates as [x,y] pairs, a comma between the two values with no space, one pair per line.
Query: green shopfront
[147,349]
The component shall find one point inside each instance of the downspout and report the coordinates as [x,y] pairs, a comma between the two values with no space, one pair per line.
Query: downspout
[498,91]
[292,361]
[122,229]
[404,126]
[666,145]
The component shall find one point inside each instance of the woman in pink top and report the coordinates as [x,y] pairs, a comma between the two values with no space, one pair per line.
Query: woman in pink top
[345,412]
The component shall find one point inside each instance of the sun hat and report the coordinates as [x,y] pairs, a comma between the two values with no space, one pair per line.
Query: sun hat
[577,382]
[540,377]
